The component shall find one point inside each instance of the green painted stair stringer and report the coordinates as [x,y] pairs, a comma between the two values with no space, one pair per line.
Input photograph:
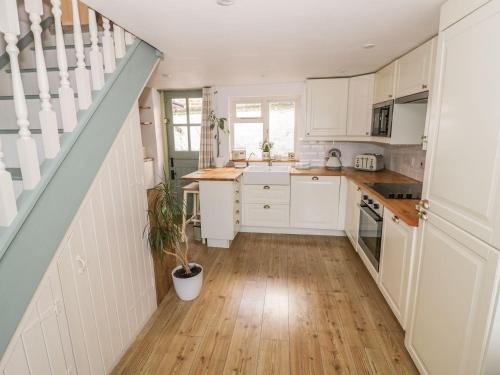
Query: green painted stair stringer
[29,244]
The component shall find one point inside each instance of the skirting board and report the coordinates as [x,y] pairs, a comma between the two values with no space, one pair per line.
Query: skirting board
[288,230]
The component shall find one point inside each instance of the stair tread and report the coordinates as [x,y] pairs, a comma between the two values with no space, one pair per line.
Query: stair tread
[33,70]
[15,173]
[33,131]
[68,46]
[32,97]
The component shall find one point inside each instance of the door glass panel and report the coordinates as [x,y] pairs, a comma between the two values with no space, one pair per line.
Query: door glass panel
[195,137]
[195,110]
[248,110]
[181,138]
[248,136]
[179,111]
[281,127]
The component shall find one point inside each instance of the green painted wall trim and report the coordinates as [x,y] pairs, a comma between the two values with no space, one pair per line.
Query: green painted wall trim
[25,41]
[41,230]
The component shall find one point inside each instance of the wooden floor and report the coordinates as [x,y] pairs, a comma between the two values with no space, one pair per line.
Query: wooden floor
[274,304]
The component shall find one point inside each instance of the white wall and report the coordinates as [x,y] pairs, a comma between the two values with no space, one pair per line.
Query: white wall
[99,289]
[314,151]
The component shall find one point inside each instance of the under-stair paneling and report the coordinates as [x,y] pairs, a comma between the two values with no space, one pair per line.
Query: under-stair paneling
[99,289]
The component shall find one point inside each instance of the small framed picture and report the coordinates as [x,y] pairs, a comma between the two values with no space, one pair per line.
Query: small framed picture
[291,155]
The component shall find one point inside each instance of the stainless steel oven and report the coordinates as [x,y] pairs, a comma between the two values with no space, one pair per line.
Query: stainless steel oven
[370,229]
[382,119]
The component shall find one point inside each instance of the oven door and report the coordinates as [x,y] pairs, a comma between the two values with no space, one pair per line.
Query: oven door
[370,234]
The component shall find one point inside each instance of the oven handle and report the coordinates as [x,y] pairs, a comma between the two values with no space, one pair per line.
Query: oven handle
[368,211]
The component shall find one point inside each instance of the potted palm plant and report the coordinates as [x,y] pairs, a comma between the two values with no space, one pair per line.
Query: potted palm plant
[165,237]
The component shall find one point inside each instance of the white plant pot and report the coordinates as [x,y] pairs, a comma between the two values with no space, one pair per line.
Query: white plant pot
[219,162]
[266,155]
[190,288]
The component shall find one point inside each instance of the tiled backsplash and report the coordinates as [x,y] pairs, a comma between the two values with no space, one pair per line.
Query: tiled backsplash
[407,160]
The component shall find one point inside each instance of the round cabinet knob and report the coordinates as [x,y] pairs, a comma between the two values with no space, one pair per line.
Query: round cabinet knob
[267,207]
[237,221]
[370,201]
[424,86]
[395,219]
[315,178]
[376,206]
[365,196]
[390,96]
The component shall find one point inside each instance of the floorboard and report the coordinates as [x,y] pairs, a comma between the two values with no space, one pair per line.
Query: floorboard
[274,304]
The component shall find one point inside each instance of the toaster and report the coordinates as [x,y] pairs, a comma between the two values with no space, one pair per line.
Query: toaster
[369,162]
[238,154]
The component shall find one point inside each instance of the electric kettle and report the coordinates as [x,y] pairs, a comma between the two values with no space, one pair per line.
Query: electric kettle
[333,159]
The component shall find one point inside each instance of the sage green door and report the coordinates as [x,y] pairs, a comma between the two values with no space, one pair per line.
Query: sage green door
[183,121]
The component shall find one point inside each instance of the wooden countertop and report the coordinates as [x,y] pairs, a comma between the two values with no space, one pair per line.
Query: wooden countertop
[214,174]
[403,208]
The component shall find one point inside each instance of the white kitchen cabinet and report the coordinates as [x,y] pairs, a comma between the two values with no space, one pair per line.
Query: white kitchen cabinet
[315,202]
[454,293]
[220,206]
[326,114]
[352,212]
[385,79]
[266,215]
[398,243]
[360,104]
[454,10]
[461,181]
[414,70]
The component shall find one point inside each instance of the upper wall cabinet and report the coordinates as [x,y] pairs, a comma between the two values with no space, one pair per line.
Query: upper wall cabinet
[414,70]
[326,107]
[384,83]
[359,112]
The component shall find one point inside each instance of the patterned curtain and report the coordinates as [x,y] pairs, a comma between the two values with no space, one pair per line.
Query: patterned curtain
[206,138]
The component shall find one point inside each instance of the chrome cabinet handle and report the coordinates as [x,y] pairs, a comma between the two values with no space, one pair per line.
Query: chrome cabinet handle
[395,219]
[267,187]
[423,215]
[424,203]
[82,263]
[315,178]
[267,207]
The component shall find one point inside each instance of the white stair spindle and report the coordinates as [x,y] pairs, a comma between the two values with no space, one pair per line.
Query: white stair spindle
[81,72]
[48,119]
[119,36]
[66,93]
[129,38]
[96,60]
[26,146]
[8,207]
[108,47]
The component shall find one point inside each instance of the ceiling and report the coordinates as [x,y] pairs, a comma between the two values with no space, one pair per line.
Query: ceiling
[263,41]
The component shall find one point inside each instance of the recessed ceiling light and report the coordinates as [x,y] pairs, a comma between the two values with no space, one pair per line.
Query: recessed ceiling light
[369,45]
[225,3]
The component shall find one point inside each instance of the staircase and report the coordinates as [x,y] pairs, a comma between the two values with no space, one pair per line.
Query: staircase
[64,94]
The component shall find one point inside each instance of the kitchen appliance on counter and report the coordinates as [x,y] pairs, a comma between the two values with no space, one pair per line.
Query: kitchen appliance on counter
[238,154]
[333,159]
[370,229]
[398,191]
[369,162]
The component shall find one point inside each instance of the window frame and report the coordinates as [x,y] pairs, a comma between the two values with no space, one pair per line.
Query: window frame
[264,119]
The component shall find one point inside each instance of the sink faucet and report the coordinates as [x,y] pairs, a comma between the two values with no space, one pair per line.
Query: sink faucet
[249,157]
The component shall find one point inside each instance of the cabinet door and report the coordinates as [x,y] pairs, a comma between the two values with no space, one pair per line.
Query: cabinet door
[359,113]
[384,83]
[326,107]
[352,213]
[462,182]
[315,202]
[395,262]
[454,293]
[415,69]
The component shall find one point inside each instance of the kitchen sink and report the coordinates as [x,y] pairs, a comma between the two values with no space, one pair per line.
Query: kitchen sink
[267,175]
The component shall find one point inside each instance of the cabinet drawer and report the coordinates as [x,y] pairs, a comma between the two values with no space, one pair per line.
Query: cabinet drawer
[276,194]
[296,179]
[266,215]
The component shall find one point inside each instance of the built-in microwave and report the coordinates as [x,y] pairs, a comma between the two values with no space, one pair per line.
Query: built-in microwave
[382,119]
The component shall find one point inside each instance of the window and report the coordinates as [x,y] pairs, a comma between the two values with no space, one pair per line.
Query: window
[254,121]
[186,123]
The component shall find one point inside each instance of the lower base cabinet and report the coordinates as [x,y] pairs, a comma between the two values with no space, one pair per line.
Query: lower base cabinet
[353,197]
[396,258]
[453,302]
[315,202]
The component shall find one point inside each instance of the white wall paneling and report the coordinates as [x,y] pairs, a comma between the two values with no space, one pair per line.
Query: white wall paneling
[99,290]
